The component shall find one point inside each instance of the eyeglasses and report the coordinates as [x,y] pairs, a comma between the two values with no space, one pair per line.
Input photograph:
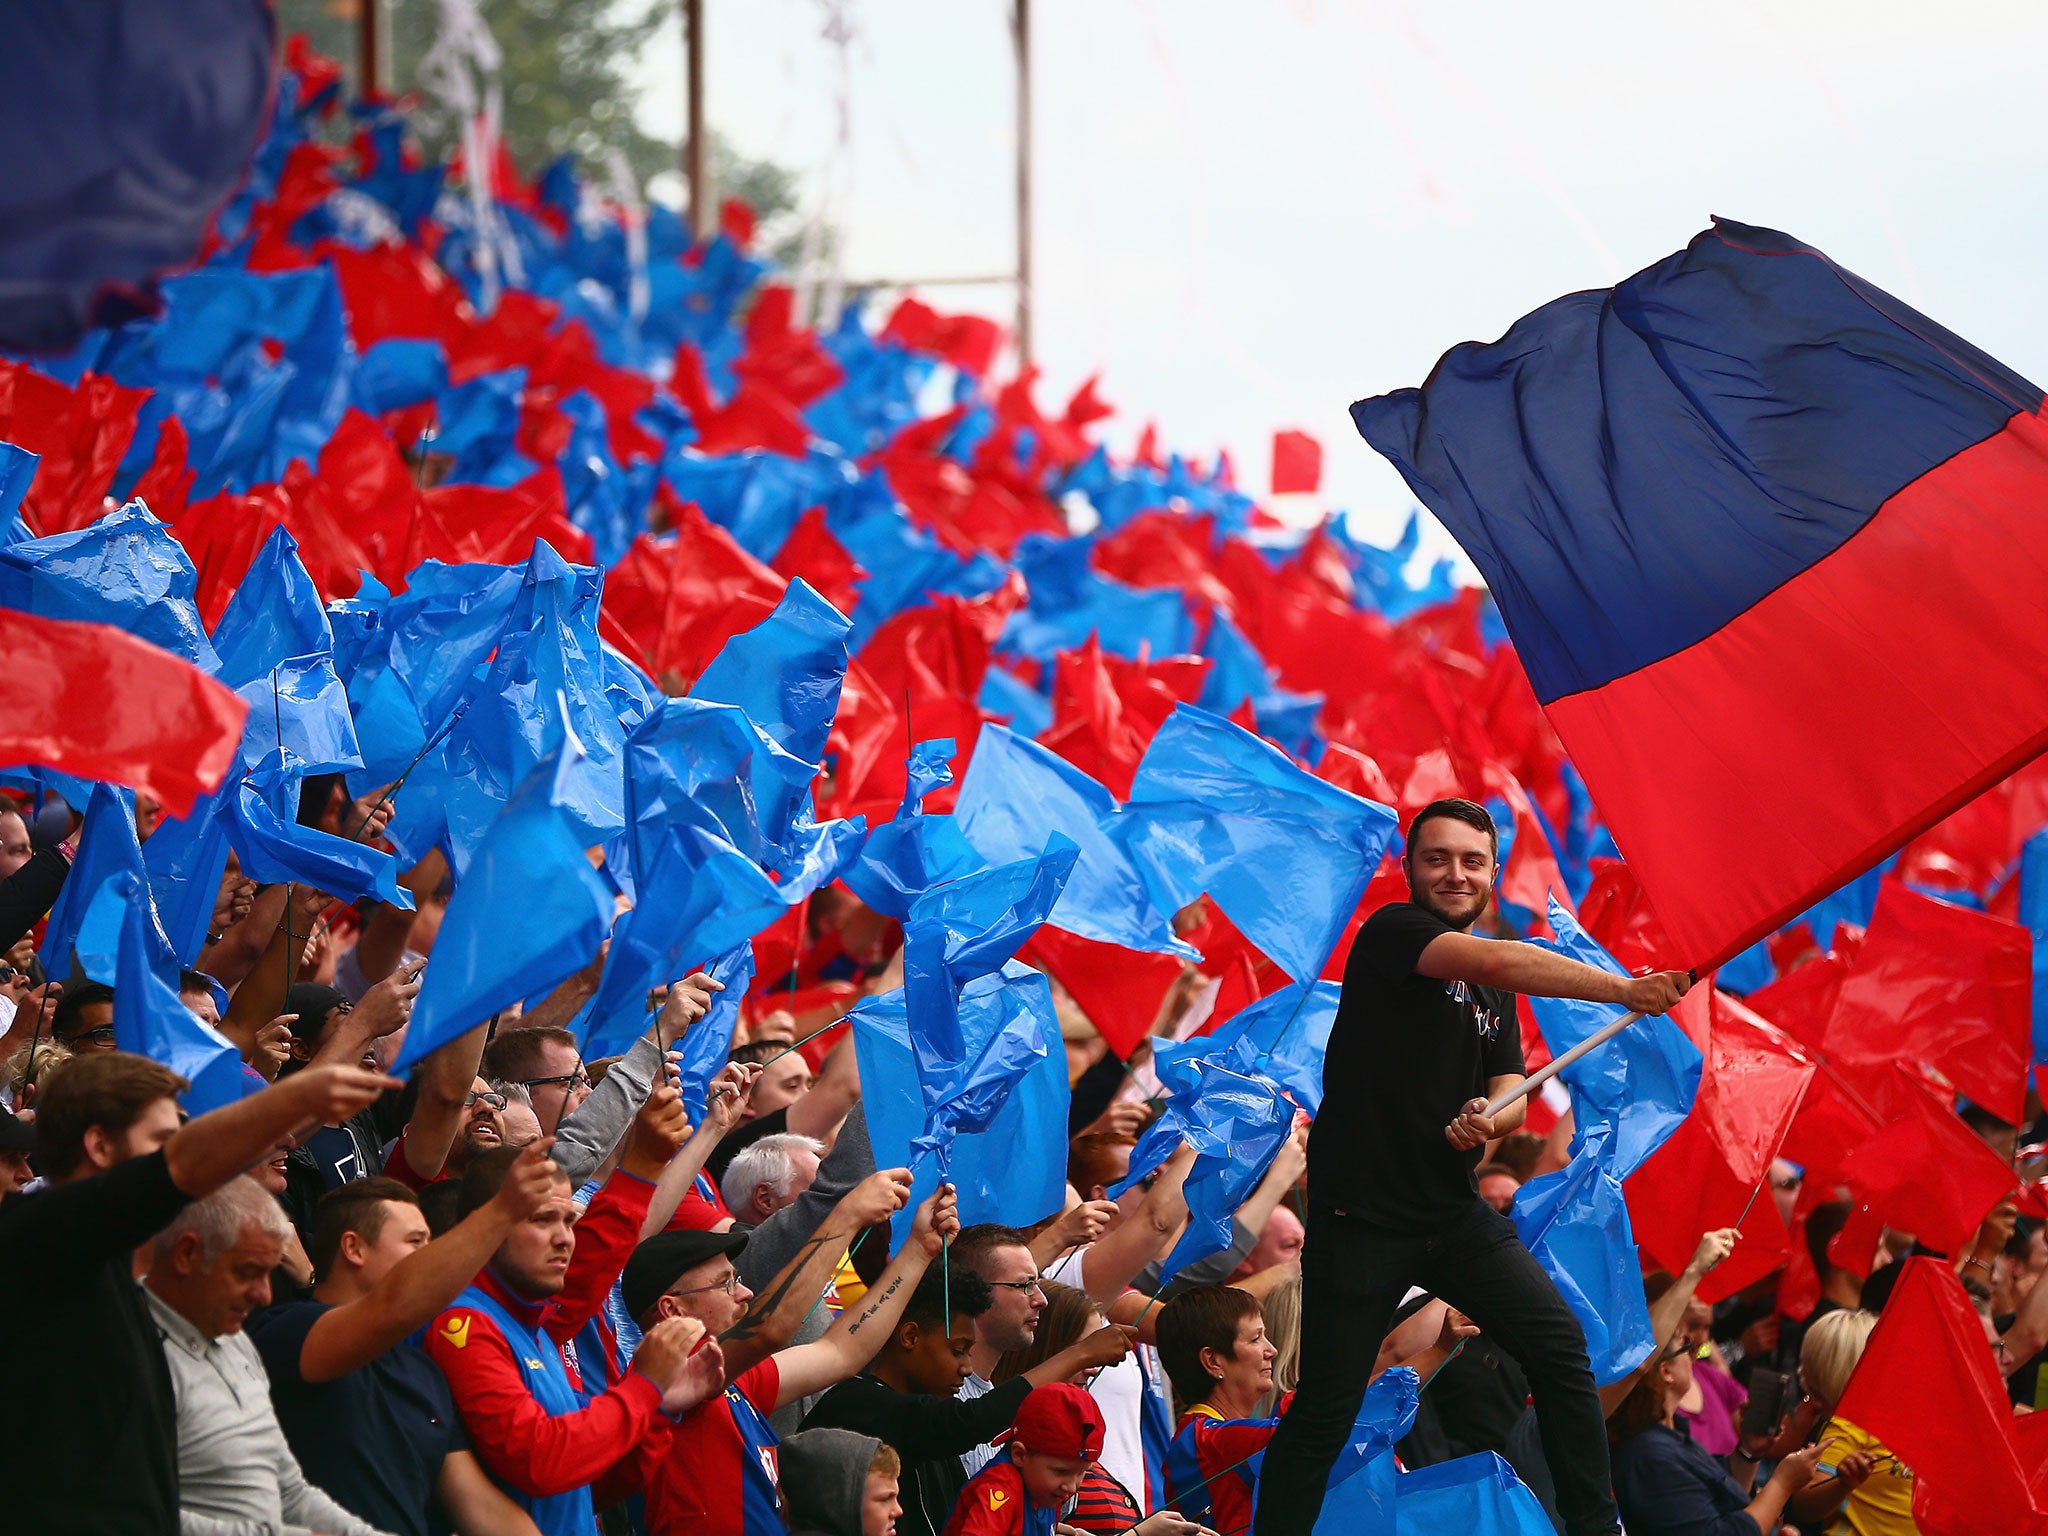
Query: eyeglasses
[1792,1182]
[568,1082]
[1035,1283]
[489,1100]
[729,1285]
[104,1035]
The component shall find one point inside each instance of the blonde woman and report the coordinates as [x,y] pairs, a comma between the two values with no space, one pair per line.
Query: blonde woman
[1282,1307]
[1870,1493]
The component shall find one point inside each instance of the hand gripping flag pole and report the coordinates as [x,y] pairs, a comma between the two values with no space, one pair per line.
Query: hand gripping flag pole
[1557,1064]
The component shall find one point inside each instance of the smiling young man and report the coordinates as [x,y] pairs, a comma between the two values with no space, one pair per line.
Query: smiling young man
[1425,1035]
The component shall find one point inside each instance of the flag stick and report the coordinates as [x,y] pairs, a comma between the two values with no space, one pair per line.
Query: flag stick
[1557,1064]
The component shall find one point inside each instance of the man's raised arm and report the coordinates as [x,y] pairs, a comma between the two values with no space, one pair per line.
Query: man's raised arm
[212,1149]
[1536,972]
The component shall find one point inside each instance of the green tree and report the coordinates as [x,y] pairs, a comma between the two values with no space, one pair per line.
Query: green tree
[565,85]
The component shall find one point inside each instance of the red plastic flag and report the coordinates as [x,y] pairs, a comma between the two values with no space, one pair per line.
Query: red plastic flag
[1707,1175]
[1120,990]
[98,703]
[1927,1388]
[1297,463]
[1942,985]
[1925,1172]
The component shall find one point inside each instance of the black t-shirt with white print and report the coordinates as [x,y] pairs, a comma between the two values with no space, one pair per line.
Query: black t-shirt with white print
[1406,1053]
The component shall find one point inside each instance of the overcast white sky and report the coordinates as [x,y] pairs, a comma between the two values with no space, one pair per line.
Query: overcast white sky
[1252,212]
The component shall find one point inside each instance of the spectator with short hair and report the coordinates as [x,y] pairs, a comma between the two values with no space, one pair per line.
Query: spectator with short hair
[103,1439]
[788,1098]
[209,1270]
[368,1415]
[17,1145]
[502,1345]
[1497,1185]
[907,1395]
[517,1121]
[768,1175]
[84,1018]
[547,1065]
[714,1472]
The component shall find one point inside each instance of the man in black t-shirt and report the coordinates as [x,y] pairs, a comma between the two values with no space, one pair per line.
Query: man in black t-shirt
[97,1434]
[1425,1036]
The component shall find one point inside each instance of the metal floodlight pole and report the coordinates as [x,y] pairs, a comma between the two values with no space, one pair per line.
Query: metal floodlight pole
[695,158]
[367,43]
[1021,30]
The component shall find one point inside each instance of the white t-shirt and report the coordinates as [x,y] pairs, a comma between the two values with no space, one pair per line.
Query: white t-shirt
[1120,1391]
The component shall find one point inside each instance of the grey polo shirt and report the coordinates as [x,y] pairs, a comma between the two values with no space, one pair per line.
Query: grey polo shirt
[236,1475]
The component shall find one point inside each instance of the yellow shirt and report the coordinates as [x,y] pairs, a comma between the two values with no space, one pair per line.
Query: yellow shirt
[1883,1506]
[848,1283]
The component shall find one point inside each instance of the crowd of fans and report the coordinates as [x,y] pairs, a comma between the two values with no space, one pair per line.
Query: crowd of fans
[522,1292]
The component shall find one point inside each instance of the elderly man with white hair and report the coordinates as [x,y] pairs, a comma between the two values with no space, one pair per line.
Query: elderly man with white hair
[768,1174]
[209,1269]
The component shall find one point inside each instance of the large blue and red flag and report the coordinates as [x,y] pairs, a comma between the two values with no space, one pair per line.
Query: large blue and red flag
[1772,547]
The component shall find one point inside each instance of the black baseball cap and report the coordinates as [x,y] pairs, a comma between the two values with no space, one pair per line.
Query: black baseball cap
[657,1263]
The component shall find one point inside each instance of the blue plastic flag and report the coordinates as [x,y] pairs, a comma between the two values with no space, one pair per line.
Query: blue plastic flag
[151,1019]
[2034,913]
[786,671]
[107,846]
[545,677]
[1014,1170]
[1575,1222]
[708,1044]
[972,1033]
[262,827]
[1236,1123]
[699,897]
[274,613]
[1627,1098]
[1016,792]
[1479,1494]
[1360,1496]
[300,704]
[1641,1083]
[1282,1036]
[1028,712]
[186,858]
[1287,857]
[694,760]
[125,570]
[912,852]
[530,864]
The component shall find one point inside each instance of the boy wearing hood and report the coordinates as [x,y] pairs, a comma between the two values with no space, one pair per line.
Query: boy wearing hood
[838,1483]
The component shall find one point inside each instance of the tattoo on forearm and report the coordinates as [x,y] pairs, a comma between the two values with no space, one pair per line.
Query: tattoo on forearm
[757,1316]
[875,1304]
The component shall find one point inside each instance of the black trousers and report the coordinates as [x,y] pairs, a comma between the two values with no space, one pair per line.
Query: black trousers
[1353,1277]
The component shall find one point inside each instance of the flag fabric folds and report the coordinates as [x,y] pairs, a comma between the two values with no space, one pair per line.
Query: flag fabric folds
[150,1018]
[1708,1174]
[1015,1169]
[94,703]
[1286,856]
[530,862]
[1015,792]
[1940,984]
[708,1042]
[1627,1099]
[1740,511]
[1928,1389]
